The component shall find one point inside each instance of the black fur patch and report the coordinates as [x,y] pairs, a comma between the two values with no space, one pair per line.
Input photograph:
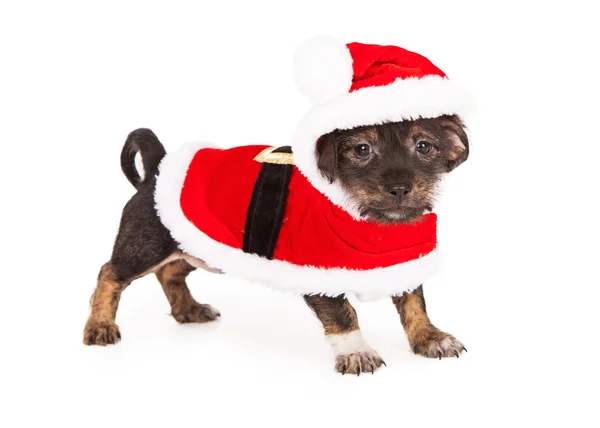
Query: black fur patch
[267,207]
[142,241]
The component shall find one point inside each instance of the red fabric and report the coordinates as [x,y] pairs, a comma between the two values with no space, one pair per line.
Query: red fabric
[217,190]
[376,65]
[215,198]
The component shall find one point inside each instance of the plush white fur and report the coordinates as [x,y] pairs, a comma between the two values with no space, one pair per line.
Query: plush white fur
[408,99]
[323,68]
[348,343]
[371,284]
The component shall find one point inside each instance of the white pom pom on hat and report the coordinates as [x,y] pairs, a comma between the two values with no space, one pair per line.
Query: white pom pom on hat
[323,68]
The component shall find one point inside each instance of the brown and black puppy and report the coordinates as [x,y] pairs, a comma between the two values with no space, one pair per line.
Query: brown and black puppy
[391,172]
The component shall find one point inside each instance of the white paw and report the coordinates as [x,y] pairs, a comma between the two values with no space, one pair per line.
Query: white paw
[353,355]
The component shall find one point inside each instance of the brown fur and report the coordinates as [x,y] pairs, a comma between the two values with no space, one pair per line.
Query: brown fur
[183,306]
[335,313]
[100,328]
[424,338]
[394,161]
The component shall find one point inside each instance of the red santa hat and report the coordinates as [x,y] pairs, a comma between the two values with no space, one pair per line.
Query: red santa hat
[358,84]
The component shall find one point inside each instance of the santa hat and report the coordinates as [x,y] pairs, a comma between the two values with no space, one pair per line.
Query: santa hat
[357,84]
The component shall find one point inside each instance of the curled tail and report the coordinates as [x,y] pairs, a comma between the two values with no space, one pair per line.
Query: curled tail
[144,142]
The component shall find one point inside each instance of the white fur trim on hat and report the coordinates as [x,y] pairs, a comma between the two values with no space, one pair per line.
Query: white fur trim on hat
[323,69]
[404,99]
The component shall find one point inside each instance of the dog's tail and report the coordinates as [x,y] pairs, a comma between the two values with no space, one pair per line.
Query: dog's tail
[144,142]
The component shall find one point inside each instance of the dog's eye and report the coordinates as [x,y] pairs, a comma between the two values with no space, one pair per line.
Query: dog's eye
[424,147]
[362,150]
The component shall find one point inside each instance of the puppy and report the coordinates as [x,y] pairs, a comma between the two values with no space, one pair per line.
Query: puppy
[390,172]
[346,208]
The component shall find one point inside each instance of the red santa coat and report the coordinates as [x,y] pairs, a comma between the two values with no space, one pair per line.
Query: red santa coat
[202,197]
[323,247]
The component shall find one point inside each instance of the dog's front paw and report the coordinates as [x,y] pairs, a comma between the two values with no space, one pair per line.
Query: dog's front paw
[360,362]
[434,343]
[198,312]
[101,333]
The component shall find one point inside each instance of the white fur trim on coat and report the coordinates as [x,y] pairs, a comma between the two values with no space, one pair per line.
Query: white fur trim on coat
[368,284]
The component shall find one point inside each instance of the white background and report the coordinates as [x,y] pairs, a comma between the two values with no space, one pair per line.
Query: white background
[518,220]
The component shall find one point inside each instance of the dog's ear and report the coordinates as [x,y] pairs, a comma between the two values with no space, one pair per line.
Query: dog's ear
[326,153]
[459,142]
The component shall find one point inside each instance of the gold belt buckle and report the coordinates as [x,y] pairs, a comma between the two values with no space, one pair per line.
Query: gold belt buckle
[267,156]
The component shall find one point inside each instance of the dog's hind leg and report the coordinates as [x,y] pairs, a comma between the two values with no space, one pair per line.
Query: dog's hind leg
[142,246]
[183,306]
[101,328]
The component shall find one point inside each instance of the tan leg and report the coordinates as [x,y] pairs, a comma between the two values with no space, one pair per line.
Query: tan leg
[424,338]
[101,328]
[183,306]
[352,354]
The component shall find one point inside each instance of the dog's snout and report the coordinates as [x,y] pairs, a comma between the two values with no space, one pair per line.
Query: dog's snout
[399,190]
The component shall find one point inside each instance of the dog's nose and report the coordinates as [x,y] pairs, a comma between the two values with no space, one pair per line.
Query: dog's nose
[399,191]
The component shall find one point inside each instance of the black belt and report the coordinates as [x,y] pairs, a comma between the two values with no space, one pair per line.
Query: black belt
[267,205]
